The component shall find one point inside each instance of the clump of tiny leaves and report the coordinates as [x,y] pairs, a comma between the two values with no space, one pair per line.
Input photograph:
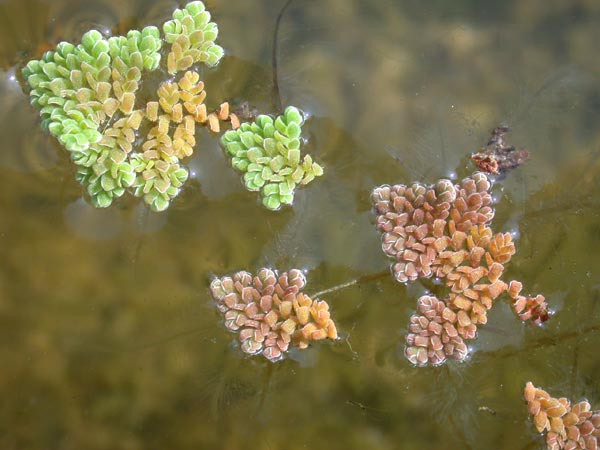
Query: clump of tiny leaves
[87,96]
[192,36]
[268,152]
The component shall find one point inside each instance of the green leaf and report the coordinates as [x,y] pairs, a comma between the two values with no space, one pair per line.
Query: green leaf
[100,47]
[240,164]
[253,154]
[234,148]
[151,31]
[298,174]
[294,157]
[270,189]
[266,173]
[107,182]
[159,204]
[215,53]
[293,130]
[280,125]
[272,202]
[287,199]
[307,178]
[253,167]
[293,115]
[270,146]
[247,139]
[277,163]
[264,120]
[317,170]
[90,38]
[293,144]
[249,181]
[230,136]
[102,200]
[195,8]
[281,138]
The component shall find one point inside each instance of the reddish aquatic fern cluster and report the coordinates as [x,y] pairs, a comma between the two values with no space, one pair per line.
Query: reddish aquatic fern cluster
[415,219]
[567,427]
[443,231]
[269,313]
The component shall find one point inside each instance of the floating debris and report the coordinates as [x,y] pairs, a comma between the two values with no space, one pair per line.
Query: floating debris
[498,158]
[268,152]
[443,231]
[270,312]
[568,427]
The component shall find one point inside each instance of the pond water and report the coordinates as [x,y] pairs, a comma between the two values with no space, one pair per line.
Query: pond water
[108,335]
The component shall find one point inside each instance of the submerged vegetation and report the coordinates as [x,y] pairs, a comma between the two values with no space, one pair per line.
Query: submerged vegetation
[143,145]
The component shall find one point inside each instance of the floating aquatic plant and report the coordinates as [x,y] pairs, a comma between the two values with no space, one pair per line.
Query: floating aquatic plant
[73,86]
[268,152]
[443,231]
[567,426]
[180,107]
[270,313]
[87,99]
[192,37]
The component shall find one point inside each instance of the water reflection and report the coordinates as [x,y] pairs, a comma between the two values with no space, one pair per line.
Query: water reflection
[92,223]
[108,337]
[32,152]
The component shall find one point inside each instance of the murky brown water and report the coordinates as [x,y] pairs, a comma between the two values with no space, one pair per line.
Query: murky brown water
[108,337]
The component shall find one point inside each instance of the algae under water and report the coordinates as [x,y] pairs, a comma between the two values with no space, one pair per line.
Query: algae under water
[109,337]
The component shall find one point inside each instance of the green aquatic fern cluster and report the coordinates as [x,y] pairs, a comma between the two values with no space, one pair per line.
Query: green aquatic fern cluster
[87,96]
[192,36]
[73,86]
[268,152]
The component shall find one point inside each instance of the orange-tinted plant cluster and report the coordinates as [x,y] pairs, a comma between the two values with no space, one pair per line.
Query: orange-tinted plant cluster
[270,312]
[443,231]
[568,427]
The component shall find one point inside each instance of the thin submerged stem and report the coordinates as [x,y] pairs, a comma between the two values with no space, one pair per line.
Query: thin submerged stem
[277,102]
[265,389]
[360,280]
[543,342]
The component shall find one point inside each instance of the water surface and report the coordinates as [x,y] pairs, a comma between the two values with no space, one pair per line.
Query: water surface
[108,336]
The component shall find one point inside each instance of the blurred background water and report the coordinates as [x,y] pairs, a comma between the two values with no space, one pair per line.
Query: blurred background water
[108,336]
